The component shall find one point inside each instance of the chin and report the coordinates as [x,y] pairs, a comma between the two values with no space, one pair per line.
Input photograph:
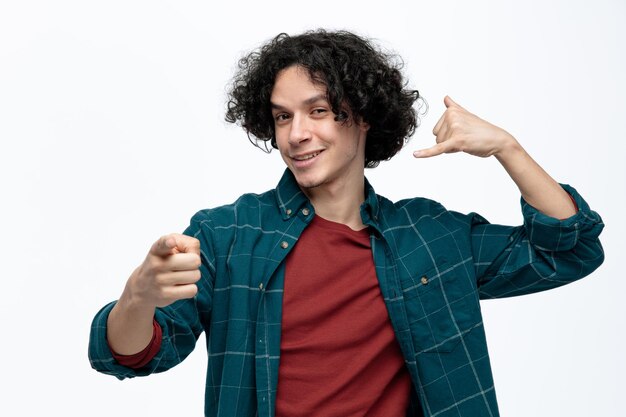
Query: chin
[308,182]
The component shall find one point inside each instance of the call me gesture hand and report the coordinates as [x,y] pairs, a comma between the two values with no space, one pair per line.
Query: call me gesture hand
[169,273]
[458,130]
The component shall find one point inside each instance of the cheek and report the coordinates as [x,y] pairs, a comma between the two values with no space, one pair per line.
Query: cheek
[350,143]
[280,139]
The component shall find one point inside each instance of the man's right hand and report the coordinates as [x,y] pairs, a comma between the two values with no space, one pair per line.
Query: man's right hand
[169,272]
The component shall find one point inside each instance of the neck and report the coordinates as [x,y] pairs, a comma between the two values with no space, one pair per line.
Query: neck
[339,203]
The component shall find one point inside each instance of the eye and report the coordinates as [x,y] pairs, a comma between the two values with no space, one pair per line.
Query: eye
[319,110]
[281,117]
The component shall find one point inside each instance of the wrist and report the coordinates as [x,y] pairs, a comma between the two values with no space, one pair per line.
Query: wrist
[509,148]
[132,302]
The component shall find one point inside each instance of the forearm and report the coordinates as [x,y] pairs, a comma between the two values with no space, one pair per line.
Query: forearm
[129,326]
[538,188]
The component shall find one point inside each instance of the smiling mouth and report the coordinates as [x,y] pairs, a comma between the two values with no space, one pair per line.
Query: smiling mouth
[306,157]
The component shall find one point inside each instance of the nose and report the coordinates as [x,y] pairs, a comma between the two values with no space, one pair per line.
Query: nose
[300,130]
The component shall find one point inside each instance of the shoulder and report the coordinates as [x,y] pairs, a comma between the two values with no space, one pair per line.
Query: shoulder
[248,206]
[414,204]
[410,207]
[420,209]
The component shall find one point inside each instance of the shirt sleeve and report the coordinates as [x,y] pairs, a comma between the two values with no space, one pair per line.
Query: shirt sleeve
[543,253]
[142,358]
[181,322]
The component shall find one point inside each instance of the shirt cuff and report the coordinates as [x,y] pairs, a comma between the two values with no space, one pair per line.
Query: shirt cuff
[552,234]
[141,359]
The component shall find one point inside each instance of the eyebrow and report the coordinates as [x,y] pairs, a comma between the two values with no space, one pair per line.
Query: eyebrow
[306,102]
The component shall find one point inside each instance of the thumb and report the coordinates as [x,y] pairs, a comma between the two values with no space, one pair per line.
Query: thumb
[164,246]
[175,243]
[187,244]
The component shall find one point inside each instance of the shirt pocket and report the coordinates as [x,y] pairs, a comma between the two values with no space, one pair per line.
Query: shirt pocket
[440,307]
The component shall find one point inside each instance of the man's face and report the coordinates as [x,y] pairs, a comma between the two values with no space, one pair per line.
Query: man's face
[318,150]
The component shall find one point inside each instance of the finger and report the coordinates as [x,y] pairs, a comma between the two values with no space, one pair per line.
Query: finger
[179,292]
[187,244]
[438,149]
[179,277]
[443,133]
[181,262]
[451,103]
[438,125]
[164,246]
[175,243]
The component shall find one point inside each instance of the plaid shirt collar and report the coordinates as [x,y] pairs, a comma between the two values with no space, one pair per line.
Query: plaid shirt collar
[291,199]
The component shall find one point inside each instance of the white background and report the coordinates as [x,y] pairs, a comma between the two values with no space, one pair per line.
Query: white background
[112,134]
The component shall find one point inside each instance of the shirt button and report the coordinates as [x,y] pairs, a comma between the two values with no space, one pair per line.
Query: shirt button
[288,211]
[284,244]
[305,211]
[261,286]
[424,280]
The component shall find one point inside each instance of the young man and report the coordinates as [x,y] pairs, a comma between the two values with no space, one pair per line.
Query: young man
[322,298]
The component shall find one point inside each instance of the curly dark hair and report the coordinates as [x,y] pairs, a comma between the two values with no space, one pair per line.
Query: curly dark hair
[354,72]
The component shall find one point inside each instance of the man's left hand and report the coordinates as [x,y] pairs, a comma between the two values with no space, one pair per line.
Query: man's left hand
[458,130]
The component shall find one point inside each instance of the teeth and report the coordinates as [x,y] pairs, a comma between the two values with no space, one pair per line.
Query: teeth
[305,157]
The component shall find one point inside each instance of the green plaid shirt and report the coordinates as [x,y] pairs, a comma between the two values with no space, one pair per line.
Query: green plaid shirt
[433,266]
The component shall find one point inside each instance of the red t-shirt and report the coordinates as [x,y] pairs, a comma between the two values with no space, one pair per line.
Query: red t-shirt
[339,354]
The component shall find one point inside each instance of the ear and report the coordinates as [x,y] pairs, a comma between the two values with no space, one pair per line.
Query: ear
[364,126]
